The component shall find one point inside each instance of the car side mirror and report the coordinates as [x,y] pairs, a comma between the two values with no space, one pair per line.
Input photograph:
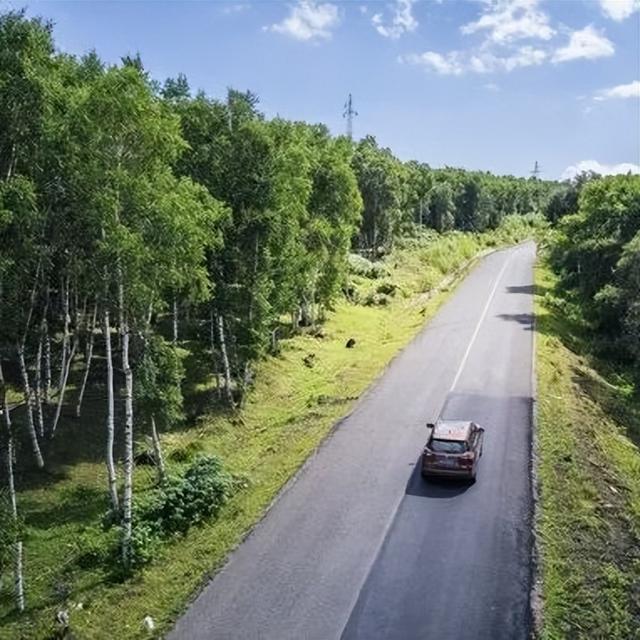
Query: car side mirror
[430,425]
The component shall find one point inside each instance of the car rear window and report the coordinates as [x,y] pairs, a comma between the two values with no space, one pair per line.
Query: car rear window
[447,446]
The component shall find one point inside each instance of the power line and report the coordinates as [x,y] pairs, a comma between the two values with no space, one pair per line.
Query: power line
[349,113]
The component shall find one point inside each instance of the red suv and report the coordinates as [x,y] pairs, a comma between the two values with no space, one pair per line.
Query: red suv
[453,449]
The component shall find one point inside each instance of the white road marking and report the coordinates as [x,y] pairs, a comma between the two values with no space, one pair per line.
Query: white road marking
[480,321]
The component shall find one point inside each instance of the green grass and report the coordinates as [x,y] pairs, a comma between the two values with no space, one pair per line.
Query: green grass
[589,473]
[14,396]
[288,413]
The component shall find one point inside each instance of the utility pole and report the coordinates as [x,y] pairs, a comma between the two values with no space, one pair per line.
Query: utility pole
[537,170]
[349,114]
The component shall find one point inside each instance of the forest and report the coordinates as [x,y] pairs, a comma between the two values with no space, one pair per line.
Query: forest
[137,216]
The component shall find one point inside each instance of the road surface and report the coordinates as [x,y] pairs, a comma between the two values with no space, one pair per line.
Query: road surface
[359,546]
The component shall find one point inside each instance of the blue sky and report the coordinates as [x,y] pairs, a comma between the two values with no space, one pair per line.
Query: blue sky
[482,84]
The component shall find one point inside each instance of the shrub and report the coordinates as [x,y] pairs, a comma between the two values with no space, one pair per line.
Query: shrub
[144,544]
[376,300]
[387,288]
[181,502]
[360,266]
[170,509]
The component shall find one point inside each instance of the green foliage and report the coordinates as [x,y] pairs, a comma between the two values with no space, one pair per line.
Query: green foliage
[187,500]
[124,196]
[376,299]
[441,207]
[179,503]
[97,546]
[11,530]
[360,266]
[186,452]
[159,376]
[380,183]
[598,255]
[388,288]
[145,542]
[589,524]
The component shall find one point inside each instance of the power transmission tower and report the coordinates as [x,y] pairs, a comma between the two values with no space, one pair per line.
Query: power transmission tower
[537,170]
[349,113]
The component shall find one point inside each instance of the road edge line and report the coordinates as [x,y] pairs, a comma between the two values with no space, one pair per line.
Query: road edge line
[536,603]
[483,315]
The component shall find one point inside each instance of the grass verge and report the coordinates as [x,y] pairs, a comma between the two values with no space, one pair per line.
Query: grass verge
[292,407]
[589,475]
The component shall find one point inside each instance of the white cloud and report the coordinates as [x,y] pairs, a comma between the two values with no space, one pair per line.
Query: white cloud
[487,62]
[507,25]
[509,20]
[235,7]
[603,169]
[619,9]
[446,65]
[308,20]
[631,90]
[459,62]
[492,86]
[402,21]
[586,43]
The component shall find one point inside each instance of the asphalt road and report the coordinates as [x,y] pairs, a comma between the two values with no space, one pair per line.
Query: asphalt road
[359,546]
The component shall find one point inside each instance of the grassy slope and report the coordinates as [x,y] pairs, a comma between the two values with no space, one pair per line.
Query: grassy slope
[290,411]
[589,471]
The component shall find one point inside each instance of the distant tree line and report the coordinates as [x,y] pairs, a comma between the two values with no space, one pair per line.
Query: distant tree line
[597,254]
[129,206]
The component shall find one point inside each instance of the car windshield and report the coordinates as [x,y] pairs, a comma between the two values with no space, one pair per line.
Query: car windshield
[447,446]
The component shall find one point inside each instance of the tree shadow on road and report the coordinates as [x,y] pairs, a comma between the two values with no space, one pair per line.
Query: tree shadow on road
[528,289]
[524,319]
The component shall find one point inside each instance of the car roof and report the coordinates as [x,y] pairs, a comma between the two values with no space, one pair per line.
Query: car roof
[452,430]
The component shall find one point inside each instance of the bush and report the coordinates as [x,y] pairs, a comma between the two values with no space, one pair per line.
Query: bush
[144,544]
[170,509]
[181,502]
[360,266]
[387,288]
[376,300]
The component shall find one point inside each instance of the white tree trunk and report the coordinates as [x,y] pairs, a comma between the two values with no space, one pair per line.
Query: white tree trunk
[65,336]
[225,362]
[47,362]
[18,579]
[63,387]
[111,468]
[28,394]
[38,389]
[157,450]
[175,320]
[127,498]
[44,329]
[87,359]
[212,344]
